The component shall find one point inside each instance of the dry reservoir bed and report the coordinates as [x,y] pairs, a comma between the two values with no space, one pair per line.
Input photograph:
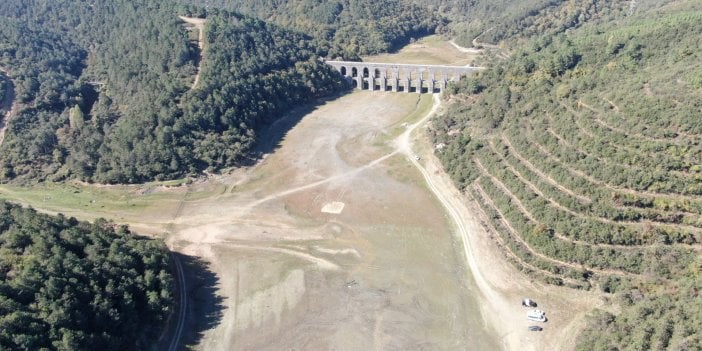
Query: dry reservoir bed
[333,243]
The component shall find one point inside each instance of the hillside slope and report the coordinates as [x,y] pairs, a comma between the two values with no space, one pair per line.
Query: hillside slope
[104,89]
[70,285]
[585,150]
[346,28]
[494,21]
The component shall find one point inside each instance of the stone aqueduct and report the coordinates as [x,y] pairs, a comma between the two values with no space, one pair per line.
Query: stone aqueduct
[400,77]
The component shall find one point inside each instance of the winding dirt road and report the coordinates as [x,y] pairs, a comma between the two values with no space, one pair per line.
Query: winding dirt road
[500,286]
[465,49]
[496,308]
[228,228]
[199,24]
[292,276]
[7,105]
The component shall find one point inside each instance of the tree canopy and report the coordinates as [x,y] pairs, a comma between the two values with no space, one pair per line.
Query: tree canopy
[341,28]
[70,285]
[104,89]
[583,149]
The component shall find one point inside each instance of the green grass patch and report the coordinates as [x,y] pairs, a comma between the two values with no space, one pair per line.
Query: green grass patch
[402,170]
[423,106]
[430,50]
[88,199]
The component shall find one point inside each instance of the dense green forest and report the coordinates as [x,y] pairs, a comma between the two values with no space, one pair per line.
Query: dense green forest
[349,28]
[70,285]
[583,144]
[341,28]
[584,149]
[492,21]
[93,105]
[104,88]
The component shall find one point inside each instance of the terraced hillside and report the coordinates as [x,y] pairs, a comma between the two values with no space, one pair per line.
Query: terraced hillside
[584,151]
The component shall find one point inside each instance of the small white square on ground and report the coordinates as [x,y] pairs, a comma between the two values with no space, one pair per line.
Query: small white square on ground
[333,207]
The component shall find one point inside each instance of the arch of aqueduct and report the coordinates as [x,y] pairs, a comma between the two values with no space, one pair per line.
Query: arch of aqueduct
[400,77]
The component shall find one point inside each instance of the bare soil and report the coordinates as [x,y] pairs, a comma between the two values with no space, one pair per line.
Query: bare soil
[384,273]
[405,265]
[429,50]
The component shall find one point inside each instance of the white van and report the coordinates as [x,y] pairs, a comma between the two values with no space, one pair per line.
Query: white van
[536,316]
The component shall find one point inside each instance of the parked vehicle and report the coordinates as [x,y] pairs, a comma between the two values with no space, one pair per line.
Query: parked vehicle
[528,303]
[536,316]
[535,328]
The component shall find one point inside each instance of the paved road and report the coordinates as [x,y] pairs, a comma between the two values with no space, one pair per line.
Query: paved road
[182,305]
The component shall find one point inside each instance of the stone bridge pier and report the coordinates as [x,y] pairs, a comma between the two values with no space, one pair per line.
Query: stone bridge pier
[400,77]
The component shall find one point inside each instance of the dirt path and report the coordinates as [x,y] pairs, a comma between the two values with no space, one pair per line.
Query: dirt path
[501,53]
[531,218]
[500,285]
[337,177]
[541,174]
[199,24]
[586,131]
[557,205]
[599,120]
[589,178]
[396,268]
[514,234]
[292,276]
[477,43]
[7,105]
[464,49]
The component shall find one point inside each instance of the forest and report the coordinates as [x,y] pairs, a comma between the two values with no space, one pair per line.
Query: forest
[582,147]
[91,105]
[497,21]
[94,106]
[581,143]
[70,285]
[341,28]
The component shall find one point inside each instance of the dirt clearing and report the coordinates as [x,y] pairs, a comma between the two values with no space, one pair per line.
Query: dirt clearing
[433,50]
[323,248]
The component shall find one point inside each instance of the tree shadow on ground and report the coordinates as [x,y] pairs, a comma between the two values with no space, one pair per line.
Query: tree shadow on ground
[204,308]
[272,135]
